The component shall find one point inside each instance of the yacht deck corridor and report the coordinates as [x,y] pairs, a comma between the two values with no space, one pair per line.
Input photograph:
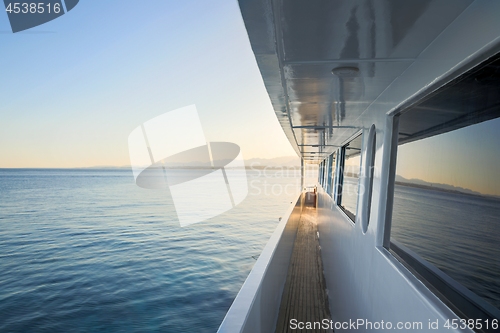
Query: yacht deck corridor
[304,296]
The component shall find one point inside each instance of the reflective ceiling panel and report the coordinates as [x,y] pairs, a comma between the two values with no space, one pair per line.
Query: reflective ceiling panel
[362,29]
[367,43]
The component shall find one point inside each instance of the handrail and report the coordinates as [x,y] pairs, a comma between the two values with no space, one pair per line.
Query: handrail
[255,308]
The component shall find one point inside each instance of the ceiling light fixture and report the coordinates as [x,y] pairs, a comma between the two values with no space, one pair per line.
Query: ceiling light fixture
[345,71]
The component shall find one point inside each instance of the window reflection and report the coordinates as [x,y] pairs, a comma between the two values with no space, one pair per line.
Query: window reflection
[447,205]
[349,184]
[331,174]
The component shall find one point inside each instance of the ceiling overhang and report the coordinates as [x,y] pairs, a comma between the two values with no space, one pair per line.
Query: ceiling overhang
[327,63]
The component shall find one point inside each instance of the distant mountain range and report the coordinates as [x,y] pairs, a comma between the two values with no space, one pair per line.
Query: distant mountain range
[276,162]
[285,161]
[436,186]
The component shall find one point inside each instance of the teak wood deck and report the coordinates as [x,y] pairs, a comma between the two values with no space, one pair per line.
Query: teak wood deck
[304,295]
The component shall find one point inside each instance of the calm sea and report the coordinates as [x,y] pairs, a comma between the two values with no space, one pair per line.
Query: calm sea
[458,233]
[89,251]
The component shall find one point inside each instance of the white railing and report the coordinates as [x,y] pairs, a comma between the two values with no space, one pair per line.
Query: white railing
[255,308]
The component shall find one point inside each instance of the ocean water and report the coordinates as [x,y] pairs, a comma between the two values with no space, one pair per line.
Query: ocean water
[89,251]
[457,233]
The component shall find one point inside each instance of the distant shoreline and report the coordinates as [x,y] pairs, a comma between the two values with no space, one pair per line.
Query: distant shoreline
[440,189]
[260,167]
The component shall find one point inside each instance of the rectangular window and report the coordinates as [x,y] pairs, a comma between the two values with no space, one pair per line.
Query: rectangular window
[331,174]
[349,180]
[320,173]
[446,206]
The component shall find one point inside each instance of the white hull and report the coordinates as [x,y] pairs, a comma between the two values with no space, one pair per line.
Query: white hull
[365,280]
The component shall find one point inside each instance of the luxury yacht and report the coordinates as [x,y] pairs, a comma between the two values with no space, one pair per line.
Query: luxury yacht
[376,94]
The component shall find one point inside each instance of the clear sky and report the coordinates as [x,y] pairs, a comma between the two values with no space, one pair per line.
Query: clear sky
[73,89]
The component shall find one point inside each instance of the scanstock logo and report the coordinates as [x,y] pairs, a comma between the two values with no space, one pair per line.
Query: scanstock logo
[26,14]
[204,179]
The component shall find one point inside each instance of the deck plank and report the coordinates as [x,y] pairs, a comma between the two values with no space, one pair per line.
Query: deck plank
[304,295]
